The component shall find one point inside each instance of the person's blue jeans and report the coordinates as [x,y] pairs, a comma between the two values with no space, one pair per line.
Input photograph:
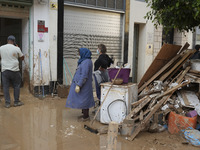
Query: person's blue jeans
[14,78]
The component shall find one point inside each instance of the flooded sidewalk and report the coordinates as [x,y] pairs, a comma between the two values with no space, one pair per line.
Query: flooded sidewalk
[48,125]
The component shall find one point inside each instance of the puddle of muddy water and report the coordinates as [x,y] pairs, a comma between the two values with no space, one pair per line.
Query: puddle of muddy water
[48,125]
[103,143]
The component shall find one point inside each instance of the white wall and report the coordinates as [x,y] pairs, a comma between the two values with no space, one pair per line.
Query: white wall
[25,43]
[146,36]
[53,26]
[180,38]
[43,12]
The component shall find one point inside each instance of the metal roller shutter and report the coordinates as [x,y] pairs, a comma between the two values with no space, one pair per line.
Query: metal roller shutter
[88,28]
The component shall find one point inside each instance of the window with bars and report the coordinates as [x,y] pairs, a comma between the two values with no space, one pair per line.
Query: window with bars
[106,4]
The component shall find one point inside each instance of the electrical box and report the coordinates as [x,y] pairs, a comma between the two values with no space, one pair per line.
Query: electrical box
[117,104]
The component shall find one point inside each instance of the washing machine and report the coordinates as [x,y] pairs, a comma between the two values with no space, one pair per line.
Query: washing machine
[118,101]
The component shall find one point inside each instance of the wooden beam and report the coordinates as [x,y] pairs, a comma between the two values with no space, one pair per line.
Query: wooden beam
[180,63]
[144,113]
[112,136]
[149,93]
[143,123]
[139,101]
[179,80]
[159,72]
[137,109]
[166,53]
[178,68]
[184,47]
[194,71]
[165,96]
[176,77]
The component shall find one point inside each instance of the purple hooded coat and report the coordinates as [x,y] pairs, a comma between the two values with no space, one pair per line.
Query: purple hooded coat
[83,78]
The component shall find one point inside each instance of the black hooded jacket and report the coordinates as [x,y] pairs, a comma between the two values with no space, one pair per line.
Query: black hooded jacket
[104,61]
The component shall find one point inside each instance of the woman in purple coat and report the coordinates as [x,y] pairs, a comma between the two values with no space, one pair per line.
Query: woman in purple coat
[81,92]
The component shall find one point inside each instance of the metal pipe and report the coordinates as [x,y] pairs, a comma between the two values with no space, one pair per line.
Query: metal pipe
[60,41]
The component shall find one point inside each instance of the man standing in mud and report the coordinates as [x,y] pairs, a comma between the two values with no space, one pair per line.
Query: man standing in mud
[9,54]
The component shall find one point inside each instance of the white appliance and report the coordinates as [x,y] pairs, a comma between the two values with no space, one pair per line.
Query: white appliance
[118,101]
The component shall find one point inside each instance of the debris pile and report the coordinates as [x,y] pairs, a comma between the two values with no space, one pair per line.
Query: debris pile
[167,86]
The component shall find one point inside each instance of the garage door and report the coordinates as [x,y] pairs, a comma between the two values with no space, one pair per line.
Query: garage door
[88,28]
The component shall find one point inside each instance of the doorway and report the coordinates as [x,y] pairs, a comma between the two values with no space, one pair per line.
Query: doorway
[8,27]
[135,53]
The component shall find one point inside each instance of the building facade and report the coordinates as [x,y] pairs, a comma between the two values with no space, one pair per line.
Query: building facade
[145,41]
[58,28]
[34,24]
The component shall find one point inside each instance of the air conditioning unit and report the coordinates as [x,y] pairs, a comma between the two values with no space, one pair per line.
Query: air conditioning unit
[43,2]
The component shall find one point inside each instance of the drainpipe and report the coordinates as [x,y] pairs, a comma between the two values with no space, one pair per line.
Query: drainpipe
[126,35]
[60,41]
[29,43]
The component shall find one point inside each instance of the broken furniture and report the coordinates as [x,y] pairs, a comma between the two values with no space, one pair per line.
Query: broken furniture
[159,87]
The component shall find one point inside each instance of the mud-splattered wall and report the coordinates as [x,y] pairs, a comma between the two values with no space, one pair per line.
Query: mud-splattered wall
[45,69]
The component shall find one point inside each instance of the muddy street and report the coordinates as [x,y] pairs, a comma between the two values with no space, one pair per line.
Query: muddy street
[48,125]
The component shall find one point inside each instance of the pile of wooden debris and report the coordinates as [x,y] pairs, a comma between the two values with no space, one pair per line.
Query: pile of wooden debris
[161,87]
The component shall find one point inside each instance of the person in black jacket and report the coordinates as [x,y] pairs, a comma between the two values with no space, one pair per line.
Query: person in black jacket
[100,68]
[196,55]
[104,61]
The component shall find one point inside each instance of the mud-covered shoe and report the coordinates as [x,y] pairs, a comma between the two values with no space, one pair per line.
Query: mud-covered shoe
[18,104]
[7,105]
[84,119]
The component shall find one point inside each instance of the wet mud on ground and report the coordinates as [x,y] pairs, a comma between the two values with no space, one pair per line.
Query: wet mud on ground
[48,125]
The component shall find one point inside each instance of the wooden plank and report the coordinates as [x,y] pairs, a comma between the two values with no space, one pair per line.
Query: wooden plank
[178,68]
[141,115]
[179,80]
[165,96]
[172,89]
[152,103]
[137,109]
[176,77]
[149,93]
[166,53]
[177,57]
[143,123]
[194,71]
[194,74]
[139,101]
[185,99]
[144,113]
[193,78]
[112,136]
[166,93]
[184,47]
[180,63]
